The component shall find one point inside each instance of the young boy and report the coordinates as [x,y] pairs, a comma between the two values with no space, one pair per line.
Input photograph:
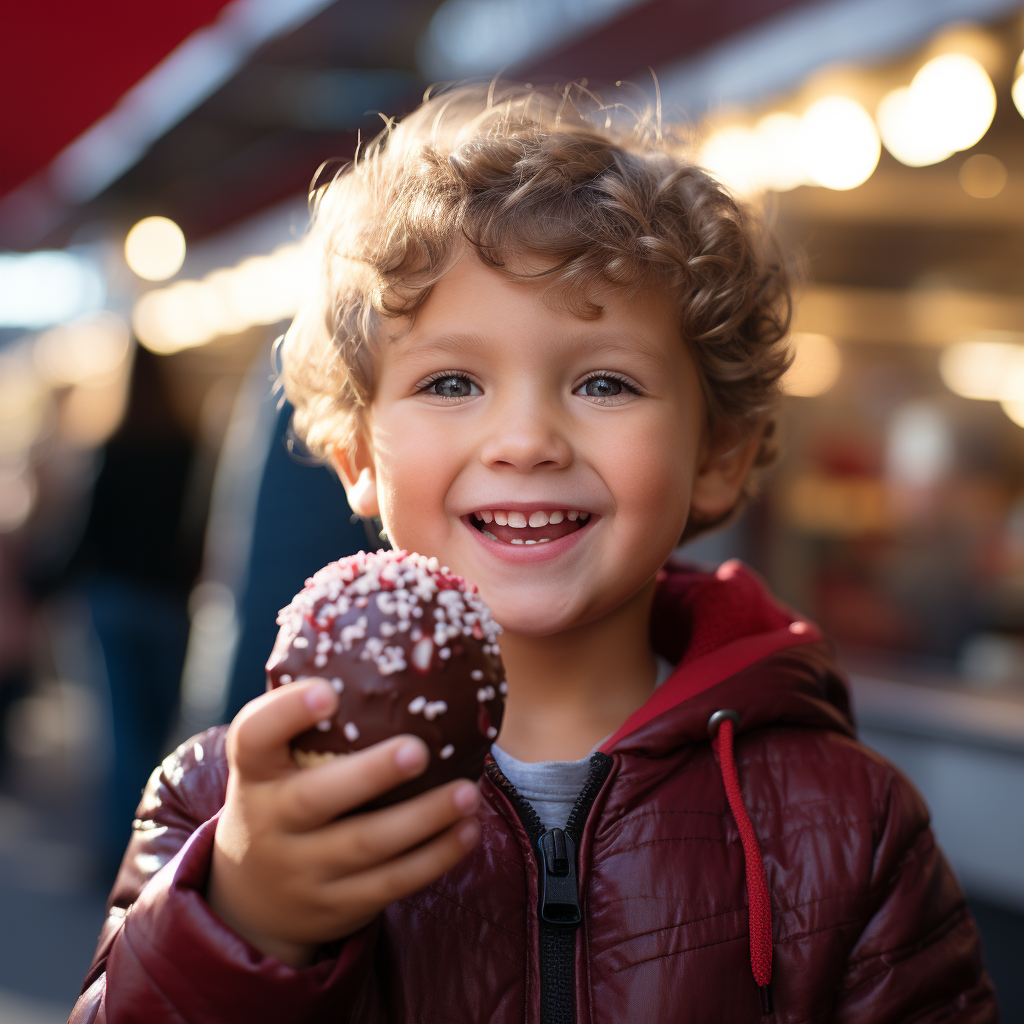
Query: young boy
[543,351]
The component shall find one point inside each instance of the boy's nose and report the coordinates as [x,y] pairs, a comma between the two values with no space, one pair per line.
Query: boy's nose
[525,441]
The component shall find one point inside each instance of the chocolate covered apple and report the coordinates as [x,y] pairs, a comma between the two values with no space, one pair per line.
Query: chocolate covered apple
[410,648]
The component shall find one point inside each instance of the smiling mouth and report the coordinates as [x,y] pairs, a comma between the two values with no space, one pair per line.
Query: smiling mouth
[539,527]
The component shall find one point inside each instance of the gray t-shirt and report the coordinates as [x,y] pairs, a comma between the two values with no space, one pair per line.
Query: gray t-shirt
[553,786]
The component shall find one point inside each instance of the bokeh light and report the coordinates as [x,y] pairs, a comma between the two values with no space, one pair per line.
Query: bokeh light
[155,248]
[955,98]
[24,404]
[815,367]
[905,135]
[980,369]
[1012,392]
[93,410]
[1015,410]
[778,140]
[261,290]
[84,350]
[176,318]
[47,287]
[919,449]
[947,107]
[1017,92]
[840,142]
[835,144]
[730,154]
[983,176]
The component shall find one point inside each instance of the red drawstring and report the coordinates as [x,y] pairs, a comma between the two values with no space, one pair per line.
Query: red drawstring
[759,903]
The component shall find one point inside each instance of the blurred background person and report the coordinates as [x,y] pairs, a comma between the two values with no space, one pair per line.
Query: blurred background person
[137,560]
[154,514]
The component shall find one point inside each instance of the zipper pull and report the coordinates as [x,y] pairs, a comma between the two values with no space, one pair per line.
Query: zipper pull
[559,901]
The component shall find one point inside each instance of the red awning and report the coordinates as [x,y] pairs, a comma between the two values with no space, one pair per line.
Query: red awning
[66,64]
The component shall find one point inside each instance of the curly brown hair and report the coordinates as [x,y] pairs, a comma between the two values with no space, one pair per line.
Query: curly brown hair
[595,194]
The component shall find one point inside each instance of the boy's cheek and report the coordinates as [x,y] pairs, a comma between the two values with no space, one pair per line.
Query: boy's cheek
[412,507]
[651,479]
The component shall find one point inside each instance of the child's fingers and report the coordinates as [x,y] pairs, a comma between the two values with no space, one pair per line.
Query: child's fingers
[259,735]
[366,840]
[375,888]
[317,795]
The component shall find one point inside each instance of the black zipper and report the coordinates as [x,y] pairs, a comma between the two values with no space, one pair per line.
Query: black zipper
[558,905]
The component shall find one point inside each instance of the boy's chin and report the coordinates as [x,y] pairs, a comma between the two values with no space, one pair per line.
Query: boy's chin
[536,619]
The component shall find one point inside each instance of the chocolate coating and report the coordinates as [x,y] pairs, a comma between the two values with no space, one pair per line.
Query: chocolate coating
[410,648]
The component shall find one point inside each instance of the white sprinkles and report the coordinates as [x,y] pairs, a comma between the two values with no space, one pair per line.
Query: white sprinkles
[400,584]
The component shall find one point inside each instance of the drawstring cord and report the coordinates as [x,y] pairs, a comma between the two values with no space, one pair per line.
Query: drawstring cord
[722,728]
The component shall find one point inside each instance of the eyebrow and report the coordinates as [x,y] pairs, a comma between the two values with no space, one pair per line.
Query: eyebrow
[441,343]
[575,342]
[612,343]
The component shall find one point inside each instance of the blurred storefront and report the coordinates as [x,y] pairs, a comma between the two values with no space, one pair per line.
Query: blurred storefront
[895,517]
[147,264]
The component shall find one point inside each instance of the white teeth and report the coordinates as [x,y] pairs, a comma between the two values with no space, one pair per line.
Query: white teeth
[544,540]
[516,540]
[531,542]
[519,520]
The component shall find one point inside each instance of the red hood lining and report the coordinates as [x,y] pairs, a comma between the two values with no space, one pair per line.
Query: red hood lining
[713,625]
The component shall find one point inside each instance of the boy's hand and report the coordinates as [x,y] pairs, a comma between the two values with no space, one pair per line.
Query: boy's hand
[286,874]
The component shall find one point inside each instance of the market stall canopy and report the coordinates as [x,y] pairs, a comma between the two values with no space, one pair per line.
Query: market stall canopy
[66,65]
[208,112]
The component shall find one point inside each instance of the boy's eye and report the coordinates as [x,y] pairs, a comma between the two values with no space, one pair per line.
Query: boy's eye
[602,387]
[452,386]
[606,386]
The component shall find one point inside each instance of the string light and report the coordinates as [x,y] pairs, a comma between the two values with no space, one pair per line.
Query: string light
[835,144]
[778,140]
[947,107]
[1011,394]
[1017,92]
[840,143]
[905,135]
[980,369]
[955,96]
[258,291]
[730,154]
[155,248]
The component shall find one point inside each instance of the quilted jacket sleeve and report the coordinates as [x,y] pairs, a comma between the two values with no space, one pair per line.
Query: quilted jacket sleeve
[920,957]
[164,957]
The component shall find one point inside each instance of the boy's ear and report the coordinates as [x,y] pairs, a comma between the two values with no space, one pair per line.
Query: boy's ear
[355,469]
[722,472]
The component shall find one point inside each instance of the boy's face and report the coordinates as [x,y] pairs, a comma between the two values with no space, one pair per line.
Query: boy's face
[497,407]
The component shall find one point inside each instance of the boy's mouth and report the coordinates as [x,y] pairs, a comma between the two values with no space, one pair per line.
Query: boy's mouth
[511,526]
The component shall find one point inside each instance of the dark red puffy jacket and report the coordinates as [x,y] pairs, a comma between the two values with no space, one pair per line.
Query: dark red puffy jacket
[799,883]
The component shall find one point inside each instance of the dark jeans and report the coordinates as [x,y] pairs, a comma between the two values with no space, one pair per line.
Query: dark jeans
[143,631]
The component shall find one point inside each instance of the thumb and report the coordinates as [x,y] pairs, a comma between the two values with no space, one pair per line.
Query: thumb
[257,742]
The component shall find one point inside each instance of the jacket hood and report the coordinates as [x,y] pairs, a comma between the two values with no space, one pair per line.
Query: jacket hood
[735,647]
